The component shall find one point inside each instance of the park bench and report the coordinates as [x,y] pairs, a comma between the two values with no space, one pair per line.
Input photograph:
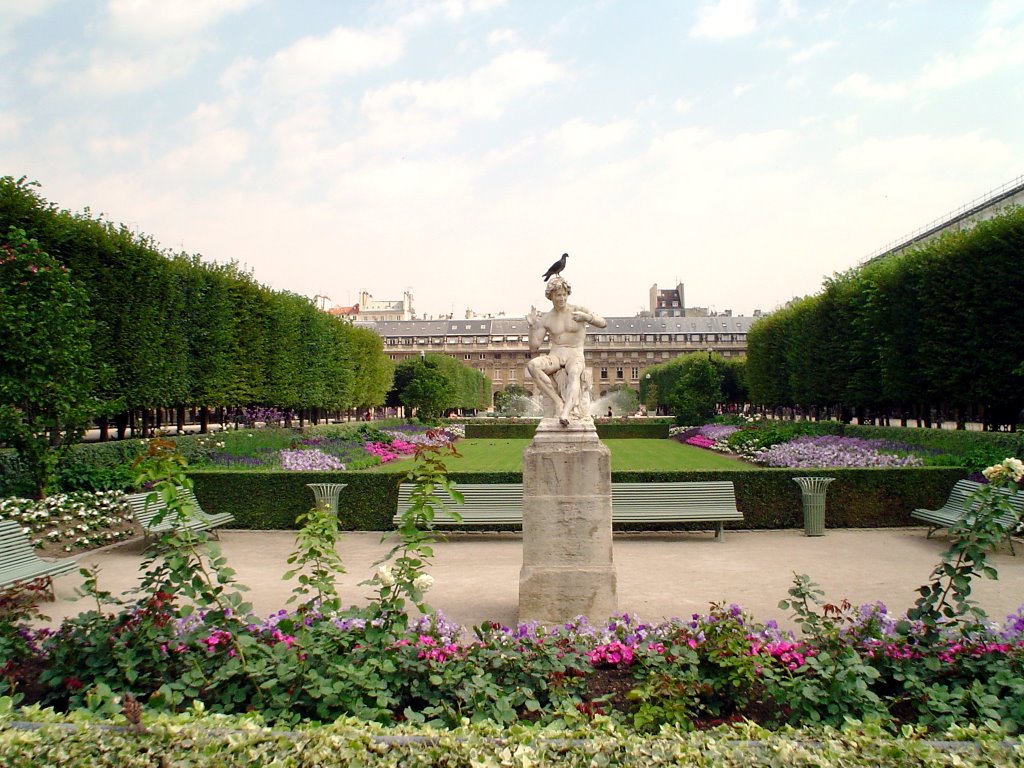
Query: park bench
[19,564]
[502,504]
[957,505]
[145,511]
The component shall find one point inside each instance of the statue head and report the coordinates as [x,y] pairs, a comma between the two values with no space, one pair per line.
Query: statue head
[555,283]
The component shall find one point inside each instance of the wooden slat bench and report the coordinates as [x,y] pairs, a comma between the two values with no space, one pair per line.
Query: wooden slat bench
[502,504]
[19,563]
[957,505]
[145,511]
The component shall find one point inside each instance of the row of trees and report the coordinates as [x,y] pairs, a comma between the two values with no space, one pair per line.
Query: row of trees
[433,384]
[692,386]
[936,329]
[97,321]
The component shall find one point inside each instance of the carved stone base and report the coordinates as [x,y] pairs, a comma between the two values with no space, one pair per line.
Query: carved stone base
[567,526]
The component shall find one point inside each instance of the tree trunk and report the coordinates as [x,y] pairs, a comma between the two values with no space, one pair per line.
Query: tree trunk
[204,420]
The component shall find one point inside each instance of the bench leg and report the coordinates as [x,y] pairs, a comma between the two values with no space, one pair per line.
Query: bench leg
[720,532]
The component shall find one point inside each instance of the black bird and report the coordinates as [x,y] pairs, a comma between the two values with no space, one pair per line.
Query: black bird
[556,268]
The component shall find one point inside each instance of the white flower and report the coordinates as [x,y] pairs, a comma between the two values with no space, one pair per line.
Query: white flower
[423,582]
[1010,468]
[385,576]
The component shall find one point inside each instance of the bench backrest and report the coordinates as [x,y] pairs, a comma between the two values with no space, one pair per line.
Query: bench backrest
[960,497]
[144,510]
[710,495]
[15,548]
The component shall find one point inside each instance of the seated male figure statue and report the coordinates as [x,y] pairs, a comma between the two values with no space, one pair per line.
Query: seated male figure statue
[565,326]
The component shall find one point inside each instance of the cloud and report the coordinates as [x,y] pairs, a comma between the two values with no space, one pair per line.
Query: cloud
[578,137]
[483,94]
[923,155]
[994,50]
[111,72]
[15,12]
[210,154]
[725,19]
[862,86]
[811,51]
[161,20]
[315,62]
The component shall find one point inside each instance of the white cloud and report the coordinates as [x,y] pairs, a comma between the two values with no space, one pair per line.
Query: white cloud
[681,106]
[211,153]
[314,62]
[725,19]
[483,94]
[925,155]
[13,13]
[862,86]
[578,137]
[811,51]
[162,20]
[502,36]
[10,125]
[996,49]
[111,72]
[847,126]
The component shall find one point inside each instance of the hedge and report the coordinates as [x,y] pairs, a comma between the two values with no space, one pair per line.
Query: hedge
[768,498]
[84,741]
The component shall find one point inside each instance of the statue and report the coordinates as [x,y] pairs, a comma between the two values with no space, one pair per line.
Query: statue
[562,374]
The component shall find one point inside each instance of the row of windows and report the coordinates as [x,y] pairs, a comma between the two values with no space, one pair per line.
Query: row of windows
[513,374]
[603,338]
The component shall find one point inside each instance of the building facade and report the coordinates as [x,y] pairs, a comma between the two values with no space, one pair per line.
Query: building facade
[498,347]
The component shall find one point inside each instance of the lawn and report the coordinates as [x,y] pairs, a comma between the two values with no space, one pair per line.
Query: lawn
[493,455]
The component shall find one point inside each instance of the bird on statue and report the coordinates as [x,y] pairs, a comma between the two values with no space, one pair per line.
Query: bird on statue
[556,268]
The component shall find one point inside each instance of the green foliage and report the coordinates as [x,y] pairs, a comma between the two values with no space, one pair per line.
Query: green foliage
[45,373]
[513,401]
[434,383]
[316,559]
[946,599]
[180,332]
[905,335]
[402,574]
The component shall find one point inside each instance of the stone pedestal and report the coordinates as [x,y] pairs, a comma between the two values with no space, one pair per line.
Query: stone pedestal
[567,526]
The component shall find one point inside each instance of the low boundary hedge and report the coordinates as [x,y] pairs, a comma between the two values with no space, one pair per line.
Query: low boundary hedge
[768,498]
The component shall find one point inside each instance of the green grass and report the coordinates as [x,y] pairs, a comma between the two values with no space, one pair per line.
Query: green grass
[627,455]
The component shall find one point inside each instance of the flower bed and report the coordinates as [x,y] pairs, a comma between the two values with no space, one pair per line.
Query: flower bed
[68,522]
[835,451]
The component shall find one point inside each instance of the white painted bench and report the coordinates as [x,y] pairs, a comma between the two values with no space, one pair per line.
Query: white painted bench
[145,512]
[957,505]
[19,563]
[712,501]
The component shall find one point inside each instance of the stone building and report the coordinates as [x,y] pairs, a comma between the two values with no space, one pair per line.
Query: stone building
[498,347]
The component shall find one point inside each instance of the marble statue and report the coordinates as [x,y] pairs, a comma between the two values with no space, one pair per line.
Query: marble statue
[562,374]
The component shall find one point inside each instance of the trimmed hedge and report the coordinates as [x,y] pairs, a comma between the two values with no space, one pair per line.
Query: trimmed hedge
[768,498]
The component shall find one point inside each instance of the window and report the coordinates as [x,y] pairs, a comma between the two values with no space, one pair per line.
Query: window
[497,374]
[467,357]
[604,373]
[618,372]
[634,373]
[483,356]
[512,376]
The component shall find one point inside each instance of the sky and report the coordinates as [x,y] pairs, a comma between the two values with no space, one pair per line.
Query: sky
[455,149]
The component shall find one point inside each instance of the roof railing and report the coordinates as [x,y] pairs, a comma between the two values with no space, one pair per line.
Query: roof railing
[1008,189]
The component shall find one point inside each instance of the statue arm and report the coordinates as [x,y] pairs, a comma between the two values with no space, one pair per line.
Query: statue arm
[537,331]
[582,314]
